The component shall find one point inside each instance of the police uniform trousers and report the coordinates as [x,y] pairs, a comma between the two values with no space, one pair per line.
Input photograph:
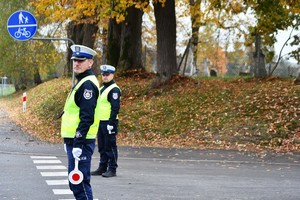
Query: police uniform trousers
[82,191]
[107,146]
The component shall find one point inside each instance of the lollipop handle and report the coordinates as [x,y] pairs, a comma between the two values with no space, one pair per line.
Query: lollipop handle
[76,164]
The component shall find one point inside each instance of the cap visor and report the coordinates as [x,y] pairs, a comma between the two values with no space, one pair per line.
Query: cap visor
[78,58]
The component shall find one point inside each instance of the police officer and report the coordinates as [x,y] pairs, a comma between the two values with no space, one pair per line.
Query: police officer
[109,104]
[80,122]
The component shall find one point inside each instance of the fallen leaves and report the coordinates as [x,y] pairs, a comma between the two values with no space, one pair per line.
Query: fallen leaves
[244,114]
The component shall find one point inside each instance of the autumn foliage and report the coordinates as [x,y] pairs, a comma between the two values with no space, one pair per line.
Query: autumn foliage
[236,113]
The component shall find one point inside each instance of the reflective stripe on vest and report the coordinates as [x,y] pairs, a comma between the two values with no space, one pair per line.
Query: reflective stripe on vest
[70,118]
[104,104]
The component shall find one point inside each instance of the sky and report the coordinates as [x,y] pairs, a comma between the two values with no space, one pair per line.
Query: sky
[281,39]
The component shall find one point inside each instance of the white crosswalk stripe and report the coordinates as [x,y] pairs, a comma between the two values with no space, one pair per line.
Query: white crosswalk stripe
[46,161]
[51,167]
[43,157]
[62,191]
[57,182]
[54,173]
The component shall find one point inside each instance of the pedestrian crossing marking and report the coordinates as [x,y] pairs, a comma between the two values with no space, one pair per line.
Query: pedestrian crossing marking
[51,167]
[46,161]
[62,191]
[43,157]
[48,166]
[54,173]
[57,182]
[44,164]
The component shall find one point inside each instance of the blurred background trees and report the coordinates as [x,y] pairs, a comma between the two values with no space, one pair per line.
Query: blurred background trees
[167,37]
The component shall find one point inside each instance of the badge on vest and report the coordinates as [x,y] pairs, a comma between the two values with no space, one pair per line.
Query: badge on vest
[115,96]
[88,94]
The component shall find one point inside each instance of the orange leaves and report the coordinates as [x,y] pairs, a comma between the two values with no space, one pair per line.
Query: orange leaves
[55,11]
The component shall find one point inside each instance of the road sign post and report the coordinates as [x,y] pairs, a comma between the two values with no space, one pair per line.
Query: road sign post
[3,84]
[21,25]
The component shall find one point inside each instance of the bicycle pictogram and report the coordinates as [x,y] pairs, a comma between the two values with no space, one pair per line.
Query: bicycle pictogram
[22,32]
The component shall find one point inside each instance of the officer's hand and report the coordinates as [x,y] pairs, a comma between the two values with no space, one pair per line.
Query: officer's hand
[109,128]
[76,153]
[65,147]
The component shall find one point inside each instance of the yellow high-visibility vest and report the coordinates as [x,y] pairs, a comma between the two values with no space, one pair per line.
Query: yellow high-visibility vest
[104,104]
[70,118]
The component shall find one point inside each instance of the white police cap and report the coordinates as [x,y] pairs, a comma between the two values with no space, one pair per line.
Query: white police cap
[81,52]
[107,69]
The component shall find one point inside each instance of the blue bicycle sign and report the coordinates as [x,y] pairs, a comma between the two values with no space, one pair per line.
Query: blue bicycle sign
[22,32]
[22,25]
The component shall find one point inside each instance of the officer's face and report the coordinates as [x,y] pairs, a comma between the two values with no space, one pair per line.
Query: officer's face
[107,77]
[80,66]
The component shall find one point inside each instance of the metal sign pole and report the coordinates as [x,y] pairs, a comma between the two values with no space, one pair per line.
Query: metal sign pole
[65,39]
[2,86]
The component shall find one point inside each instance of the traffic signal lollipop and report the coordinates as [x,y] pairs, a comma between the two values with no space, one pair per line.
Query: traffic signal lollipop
[76,176]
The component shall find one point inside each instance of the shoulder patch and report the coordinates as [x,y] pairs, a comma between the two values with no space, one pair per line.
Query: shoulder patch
[78,134]
[88,94]
[115,96]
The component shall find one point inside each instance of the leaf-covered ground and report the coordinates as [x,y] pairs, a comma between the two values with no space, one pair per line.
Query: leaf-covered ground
[203,113]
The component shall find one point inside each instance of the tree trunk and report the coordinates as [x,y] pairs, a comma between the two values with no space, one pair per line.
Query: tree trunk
[104,45]
[259,58]
[297,81]
[195,9]
[166,41]
[83,34]
[113,43]
[36,77]
[131,41]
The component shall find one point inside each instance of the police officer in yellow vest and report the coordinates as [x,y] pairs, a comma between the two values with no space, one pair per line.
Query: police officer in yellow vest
[80,122]
[109,106]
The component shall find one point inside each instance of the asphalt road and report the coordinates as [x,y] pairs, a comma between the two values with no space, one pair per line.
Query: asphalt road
[34,170]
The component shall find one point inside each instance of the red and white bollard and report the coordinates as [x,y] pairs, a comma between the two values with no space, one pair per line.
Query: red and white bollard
[24,99]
